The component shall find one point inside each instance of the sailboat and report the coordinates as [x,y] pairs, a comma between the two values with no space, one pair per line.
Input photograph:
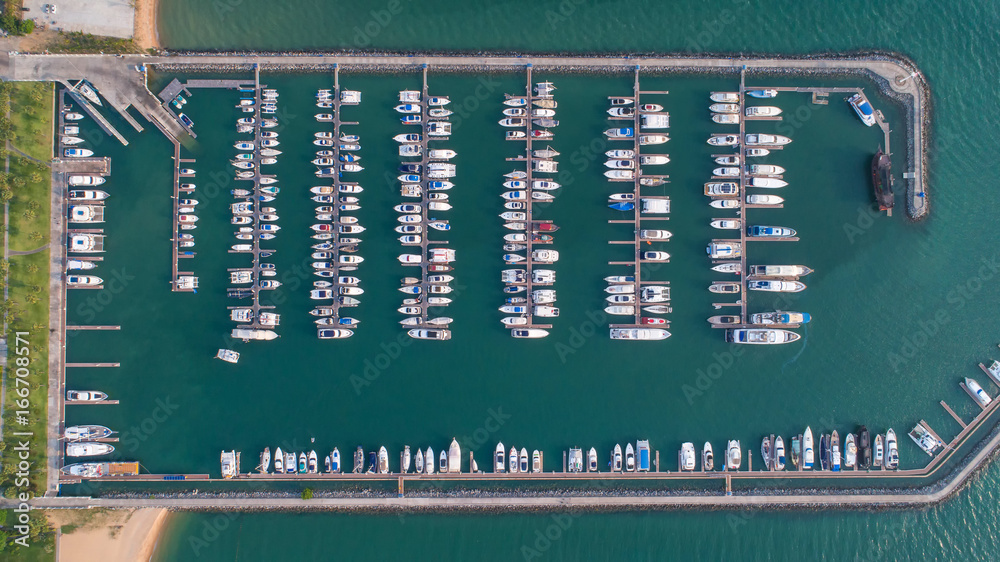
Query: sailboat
[406,459]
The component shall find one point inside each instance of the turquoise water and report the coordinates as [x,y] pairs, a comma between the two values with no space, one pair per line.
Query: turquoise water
[874,293]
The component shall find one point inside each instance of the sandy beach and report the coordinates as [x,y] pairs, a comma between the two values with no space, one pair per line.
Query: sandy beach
[146,36]
[112,536]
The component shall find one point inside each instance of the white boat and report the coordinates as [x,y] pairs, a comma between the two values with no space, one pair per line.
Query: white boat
[629,458]
[766,170]
[687,457]
[654,160]
[734,455]
[726,118]
[762,111]
[724,108]
[498,458]
[776,286]
[85,432]
[727,172]
[850,451]
[891,461]
[454,456]
[764,200]
[335,464]
[725,203]
[761,336]
[808,452]
[77,152]
[648,334]
[228,355]
[766,140]
[727,224]
[88,449]
[85,396]
[707,458]
[762,93]
[725,97]
[863,109]
[977,392]
[530,333]
[724,140]
[771,183]
[620,310]
[83,180]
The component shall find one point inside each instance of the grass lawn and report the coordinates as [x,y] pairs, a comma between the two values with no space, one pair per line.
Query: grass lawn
[29,209]
[31,111]
[41,546]
[32,114]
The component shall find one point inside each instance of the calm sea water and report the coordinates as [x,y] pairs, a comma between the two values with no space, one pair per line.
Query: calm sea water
[880,284]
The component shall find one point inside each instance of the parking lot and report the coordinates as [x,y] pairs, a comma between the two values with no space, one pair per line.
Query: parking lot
[114,18]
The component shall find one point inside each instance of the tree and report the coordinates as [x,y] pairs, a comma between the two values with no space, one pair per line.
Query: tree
[32,267]
[307,494]
[29,214]
[6,194]
[37,237]
[37,289]
[31,299]
[35,177]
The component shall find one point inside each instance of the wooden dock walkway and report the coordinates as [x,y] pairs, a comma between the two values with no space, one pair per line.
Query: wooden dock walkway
[93,364]
[93,327]
[105,125]
[181,281]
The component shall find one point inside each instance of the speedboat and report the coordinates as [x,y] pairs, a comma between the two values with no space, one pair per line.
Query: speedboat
[312,463]
[85,396]
[513,464]
[629,458]
[523,460]
[707,459]
[724,140]
[591,460]
[762,111]
[383,461]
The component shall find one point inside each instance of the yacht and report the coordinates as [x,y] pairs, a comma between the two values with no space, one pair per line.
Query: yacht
[770,183]
[850,451]
[687,457]
[536,461]
[647,140]
[591,460]
[77,153]
[455,457]
[279,461]
[85,396]
[863,109]
[86,449]
[808,454]
[762,111]
[753,140]
[835,452]
[726,118]
[725,97]
[443,462]
[977,392]
[429,334]
[776,286]
[616,459]
[778,462]
[764,200]
[86,432]
[575,460]
[383,461]
[621,133]
[629,458]
[725,204]
[523,460]
[734,455]
[335,466]
[762,93]
[725,107]
[312,463]
[891,450]
[762,231]
[724,140]
[529,333]
[707,459]
[879,451]
[84,180]
[648,334]
[760,336]
[778,317]
[498,458]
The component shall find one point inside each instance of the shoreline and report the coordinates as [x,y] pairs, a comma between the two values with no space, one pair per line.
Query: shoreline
[111,536]
[146,34]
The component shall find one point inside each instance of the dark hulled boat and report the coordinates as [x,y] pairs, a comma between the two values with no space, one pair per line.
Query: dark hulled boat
[864,448]
[882,180]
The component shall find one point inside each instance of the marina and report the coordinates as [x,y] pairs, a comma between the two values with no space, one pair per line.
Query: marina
[635,119]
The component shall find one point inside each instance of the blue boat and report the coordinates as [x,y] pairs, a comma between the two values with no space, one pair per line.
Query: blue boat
[622,206]
[643,457]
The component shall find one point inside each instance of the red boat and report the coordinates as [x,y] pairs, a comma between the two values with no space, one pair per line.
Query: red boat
[438,268]
[544,238]
[656,321]
[545,227]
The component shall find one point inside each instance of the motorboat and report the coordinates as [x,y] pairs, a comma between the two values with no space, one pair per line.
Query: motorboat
[724,140]
[766,140]
[725,97]
[724,107]
[770,183]
[77,153]
[724,250]
[862,108]
[86,449]
[621,101]
[762,93]
[687,457]
[498,458]
[761,336]
[850,451]
[766,169]
[722,189]
[725,203]
[891,450]
[629,458]
[808,453]
[85,180]
[724,288]
[726,118]
[707,458]
[654,160]
[727,224]
[768,200]
[648,140]
[620,133]
[655,256]
[85,396]
[776,286]
[530,333]
[643,334]
[728,267]
[762,111]
[878,451]
[620,310]
[734,455]
[86,432]
[761,231]
[778,317]
[977,392]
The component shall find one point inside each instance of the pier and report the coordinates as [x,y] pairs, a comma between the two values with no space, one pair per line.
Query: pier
[639,179]
[532,225]
[425,294]
[181,281]
[254,198]
[337,247]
